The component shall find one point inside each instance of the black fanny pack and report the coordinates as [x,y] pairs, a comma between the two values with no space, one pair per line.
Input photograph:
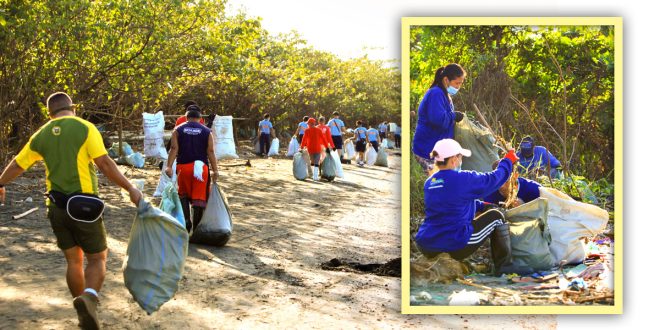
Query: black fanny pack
[80,207]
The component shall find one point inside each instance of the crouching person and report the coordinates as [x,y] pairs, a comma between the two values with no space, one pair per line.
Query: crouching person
[451,202]
[192,147]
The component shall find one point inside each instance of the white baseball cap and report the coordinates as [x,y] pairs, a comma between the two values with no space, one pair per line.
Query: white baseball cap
[446,148]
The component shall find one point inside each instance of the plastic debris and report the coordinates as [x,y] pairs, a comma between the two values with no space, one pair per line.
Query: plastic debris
[464,298]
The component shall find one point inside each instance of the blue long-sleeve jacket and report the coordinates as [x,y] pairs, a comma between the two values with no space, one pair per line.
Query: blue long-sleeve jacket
[435,121]
[450,200]
[539,159]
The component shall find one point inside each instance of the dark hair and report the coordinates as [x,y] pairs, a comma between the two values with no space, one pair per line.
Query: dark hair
[193,111]
[305,118]
[266,116]
[438,162]
[59,101]
[321,119]
[359,122]
[451,71]
[188,103]
[335,113]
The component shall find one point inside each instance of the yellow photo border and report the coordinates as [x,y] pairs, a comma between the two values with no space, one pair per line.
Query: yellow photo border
[617,22]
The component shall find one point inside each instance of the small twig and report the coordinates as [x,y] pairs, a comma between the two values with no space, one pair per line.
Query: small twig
[485,287]
[15,217]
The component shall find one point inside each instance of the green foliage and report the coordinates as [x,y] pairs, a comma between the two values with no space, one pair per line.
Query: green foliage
[120,58]
[563,75]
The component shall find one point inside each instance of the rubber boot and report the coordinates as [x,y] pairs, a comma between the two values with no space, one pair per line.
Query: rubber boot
[198,211]
[185,205]
[500,247]
[316,173]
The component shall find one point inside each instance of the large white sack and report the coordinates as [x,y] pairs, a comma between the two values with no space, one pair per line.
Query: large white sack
[223,133]
[293,147]
[164,179]
[569,221]
[156,254]
[274,147]
[340,171]
[372,155]
[154,126]
[349,148]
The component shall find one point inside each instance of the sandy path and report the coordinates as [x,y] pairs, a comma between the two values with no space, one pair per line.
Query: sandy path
[268,275]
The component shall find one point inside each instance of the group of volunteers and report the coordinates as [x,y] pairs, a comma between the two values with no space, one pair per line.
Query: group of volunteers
[70,147]
[461,207]
[318,136]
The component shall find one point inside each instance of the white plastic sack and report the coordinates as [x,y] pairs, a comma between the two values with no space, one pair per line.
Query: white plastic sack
[293,147]
[216,225]
[349,148]
[392,127]
[257,147]
[154,126]
[155,258]
[274,147]
[385,143]
[381,158]
[164,179]
[299,166]
[135,159]
[340,171]
[223,133]
[372,155]
[569,221]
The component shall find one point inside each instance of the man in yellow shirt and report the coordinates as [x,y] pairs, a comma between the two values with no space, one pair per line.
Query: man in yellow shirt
[69,147]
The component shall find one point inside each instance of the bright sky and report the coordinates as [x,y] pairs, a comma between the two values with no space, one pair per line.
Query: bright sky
[346,28]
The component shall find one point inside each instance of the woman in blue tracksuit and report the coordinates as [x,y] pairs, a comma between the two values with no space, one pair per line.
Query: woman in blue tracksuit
[451,201]
[436,115]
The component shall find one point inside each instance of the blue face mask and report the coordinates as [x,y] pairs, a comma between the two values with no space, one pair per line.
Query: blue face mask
[452,90]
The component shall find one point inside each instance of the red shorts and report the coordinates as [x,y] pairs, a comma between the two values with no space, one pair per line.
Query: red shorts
[189,187]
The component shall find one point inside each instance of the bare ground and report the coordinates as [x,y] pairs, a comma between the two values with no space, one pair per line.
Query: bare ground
[268,276]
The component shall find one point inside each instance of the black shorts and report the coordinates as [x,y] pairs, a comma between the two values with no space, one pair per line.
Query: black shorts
[361,146]
[382,135]
[337,141]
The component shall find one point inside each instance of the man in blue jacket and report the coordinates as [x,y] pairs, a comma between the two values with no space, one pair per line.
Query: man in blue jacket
[536,158]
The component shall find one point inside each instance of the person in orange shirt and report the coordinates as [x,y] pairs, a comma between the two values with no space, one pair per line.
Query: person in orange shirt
[183,119]
[315,141]
[326,131]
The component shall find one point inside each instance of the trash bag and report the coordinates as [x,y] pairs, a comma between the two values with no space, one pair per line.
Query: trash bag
[299,166]
[386,143]
[481,142]
[135,159]
[156,254]
[328,168]
[114,149]
[154,127]
[257,147]
[570,221]
[349,148]
[164,179]
[530,236]
[293,147]
[381,158]
[216,225]
[223,135]
[274,147]
[308,161]
[371,155]
[339,170]
[171,204]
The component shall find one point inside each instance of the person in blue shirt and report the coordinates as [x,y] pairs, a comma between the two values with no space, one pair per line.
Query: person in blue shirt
[337,127]
[360,142]
[536,159]
[397,137]
[527,190]
[451,199]
[265,127]
[300,131]
[373,137]
[382,130]
[436,115]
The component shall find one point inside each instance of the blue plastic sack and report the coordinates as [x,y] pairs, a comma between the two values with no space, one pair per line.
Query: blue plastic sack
[155,258]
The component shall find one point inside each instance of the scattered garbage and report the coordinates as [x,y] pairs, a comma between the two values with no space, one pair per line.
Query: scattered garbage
[465,298]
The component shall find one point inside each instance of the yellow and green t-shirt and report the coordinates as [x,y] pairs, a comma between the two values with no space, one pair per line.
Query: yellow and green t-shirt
[67,145]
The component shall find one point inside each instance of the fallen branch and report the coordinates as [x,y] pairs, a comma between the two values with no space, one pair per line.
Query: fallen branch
[15,217]
[504,291]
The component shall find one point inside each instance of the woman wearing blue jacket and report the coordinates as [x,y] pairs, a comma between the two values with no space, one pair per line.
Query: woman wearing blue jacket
[436,115]
[451,199]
